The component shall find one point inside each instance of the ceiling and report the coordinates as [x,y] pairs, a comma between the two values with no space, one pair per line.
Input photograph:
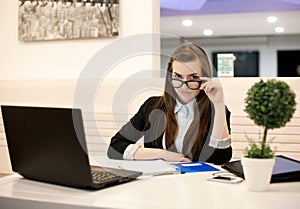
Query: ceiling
[230,17]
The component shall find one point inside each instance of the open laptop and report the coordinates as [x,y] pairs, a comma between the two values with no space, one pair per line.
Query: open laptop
[48,144]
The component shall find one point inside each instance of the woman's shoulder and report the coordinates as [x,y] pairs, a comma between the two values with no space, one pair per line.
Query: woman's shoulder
[152,101]
[150,104]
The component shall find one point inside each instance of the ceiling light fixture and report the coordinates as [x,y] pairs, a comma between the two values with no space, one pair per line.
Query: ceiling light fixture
[187,22]
[208,32]
[279,29]
[271,19]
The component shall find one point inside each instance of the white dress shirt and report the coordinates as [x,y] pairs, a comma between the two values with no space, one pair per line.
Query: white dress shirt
[184,115]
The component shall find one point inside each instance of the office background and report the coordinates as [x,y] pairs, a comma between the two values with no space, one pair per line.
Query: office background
[235,25]
[46,73]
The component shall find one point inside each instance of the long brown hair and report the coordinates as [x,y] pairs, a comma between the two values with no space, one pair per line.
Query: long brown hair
[197,132]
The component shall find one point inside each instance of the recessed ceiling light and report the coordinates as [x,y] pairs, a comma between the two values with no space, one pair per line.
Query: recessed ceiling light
[208,32]
[279,29]
[271,19]
[187,22]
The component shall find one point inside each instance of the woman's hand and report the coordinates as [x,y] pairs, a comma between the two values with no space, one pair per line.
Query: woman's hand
[154,154]
[213,90]
[174,157]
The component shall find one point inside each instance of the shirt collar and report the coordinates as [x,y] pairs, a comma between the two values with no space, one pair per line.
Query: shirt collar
[189,105]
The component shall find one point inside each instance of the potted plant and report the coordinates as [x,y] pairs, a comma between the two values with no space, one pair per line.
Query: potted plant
[270,104]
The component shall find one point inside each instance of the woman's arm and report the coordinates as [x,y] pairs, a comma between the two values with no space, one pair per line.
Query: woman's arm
[214,91]
[219,150]
[131,132]
[220,127]
[154,154]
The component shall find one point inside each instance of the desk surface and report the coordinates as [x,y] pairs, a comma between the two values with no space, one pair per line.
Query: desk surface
[168,191]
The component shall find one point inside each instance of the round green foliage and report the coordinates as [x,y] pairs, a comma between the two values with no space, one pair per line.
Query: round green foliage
[270,104]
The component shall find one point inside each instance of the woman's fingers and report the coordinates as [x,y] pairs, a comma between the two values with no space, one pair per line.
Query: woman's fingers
[174,157]
[185,160]
[208,84]
[212,89]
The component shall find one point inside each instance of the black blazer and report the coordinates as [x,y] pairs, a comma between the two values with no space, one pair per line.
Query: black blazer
[149,123]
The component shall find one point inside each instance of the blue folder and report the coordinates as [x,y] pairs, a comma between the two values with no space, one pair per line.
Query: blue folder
[188,167]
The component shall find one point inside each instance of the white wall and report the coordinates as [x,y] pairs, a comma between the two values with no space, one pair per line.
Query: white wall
[66,59]
[56,61]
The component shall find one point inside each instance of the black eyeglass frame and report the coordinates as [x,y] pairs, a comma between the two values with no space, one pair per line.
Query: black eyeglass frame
[186,83]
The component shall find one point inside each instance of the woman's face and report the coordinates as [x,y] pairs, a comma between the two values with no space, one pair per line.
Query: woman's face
[186,71]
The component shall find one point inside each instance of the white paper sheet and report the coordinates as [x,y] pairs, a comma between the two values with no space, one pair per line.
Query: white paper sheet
[148,167]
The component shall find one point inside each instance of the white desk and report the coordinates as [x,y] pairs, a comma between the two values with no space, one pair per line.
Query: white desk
[168,191]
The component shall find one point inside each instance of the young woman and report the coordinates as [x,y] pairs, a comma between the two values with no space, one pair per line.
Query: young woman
[190,122]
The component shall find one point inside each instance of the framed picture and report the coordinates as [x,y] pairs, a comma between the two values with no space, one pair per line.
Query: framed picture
[43,20]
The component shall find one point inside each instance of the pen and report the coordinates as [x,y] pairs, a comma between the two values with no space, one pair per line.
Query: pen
[167,173]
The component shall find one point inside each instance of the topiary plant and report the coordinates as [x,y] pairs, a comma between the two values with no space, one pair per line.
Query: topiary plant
[269,104]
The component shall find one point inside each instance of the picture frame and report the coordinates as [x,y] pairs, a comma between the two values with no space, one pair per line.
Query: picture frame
[45,20]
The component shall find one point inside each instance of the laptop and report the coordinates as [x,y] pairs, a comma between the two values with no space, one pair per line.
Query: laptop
[48,145]
[285,169]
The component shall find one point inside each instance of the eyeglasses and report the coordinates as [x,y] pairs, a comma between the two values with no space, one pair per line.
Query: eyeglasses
[191,84]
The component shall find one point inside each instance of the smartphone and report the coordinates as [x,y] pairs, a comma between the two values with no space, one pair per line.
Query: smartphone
[226,179]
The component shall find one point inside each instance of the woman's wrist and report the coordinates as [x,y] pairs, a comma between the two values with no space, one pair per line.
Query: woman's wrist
[220,129]
[219,105]
[155,154]
[149,154]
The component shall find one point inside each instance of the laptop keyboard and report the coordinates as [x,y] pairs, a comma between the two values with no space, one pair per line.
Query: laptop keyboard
[103,176]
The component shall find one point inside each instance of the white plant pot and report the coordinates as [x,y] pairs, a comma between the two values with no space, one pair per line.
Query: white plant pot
[258,173]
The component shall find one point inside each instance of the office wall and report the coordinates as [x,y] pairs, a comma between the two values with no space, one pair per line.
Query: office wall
[66,59]
[31,72]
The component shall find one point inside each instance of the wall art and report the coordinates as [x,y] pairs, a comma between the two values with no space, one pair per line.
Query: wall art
[67,19]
